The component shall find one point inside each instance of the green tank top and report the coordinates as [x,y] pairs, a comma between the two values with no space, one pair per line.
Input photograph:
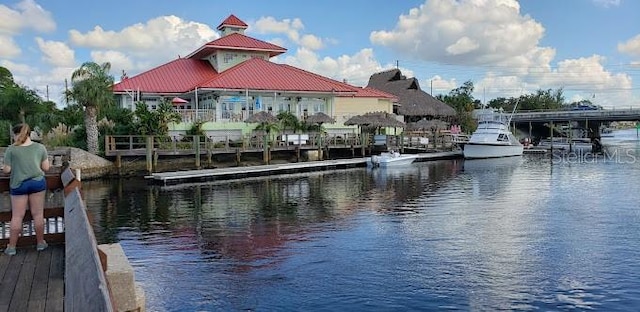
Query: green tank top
[25,162]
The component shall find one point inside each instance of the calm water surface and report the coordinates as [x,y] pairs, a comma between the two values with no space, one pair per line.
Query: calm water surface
[531,233]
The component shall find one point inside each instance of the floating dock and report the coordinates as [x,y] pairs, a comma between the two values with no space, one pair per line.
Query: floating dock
[175,177]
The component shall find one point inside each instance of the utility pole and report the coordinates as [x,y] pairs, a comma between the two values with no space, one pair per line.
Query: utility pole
[66,91]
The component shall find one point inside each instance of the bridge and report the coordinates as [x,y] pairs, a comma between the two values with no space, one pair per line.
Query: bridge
[537,124]
[601,115]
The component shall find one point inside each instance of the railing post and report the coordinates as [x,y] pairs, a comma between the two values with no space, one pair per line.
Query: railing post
[196,141]
[149,150]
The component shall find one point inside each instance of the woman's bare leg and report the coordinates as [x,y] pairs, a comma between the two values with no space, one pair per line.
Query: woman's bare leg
[36,205]
[18,209]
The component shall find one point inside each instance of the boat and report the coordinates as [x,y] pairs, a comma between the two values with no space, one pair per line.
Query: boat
[391,159]
[492,138]
[606,132]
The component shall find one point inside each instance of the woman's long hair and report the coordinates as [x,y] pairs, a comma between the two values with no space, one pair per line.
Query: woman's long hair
[22,132]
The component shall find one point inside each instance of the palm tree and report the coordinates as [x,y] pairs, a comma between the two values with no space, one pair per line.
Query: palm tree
[91,87]
[156,122]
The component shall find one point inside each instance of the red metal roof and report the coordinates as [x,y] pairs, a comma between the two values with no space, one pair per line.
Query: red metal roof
[371,92]
[259,74]
[232,21]
[178,76]
[238,42]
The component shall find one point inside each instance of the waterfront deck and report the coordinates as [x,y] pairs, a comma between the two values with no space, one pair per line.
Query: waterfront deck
[70,275]
[175,177]
[32,280]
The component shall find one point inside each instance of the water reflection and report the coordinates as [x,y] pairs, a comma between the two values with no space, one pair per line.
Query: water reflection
[252,218]
[491,177]
[516,234]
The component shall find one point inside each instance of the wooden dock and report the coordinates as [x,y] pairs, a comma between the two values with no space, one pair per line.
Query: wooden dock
[32,280]
[70,275]
[175,177]
[536,150]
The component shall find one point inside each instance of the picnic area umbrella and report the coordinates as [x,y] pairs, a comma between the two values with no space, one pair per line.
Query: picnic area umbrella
[177,100]
[319,118]
[376,120]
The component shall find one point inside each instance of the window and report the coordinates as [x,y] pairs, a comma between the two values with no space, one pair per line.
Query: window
[228,57]
[227,110]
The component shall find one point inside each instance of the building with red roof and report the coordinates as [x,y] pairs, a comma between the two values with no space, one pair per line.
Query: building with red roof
[225,81]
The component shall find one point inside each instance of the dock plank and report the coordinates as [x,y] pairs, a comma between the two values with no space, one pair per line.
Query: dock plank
[10,279]
[32,280]
[175,177]
[55,287]
[40,283]
[22,291]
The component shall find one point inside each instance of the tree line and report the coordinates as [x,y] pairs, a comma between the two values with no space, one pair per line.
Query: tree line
[90,113]
[462,100]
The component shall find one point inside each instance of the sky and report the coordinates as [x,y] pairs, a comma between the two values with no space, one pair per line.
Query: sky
[589,48]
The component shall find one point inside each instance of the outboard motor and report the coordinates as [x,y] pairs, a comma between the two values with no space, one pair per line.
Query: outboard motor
[375,161]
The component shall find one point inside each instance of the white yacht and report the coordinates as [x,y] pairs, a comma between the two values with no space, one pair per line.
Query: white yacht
[492,138]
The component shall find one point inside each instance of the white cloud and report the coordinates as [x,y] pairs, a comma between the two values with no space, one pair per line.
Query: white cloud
[462,46]
[581,77]
[439,84]
[588,73]
[56,53]
[157,40]
[355,69]
[463,32]
[631,46]
[46,83]
[607,3]
[269,25]
[495,85]
[18,69]
[25,14]
[290,28]
[118,60]
[492,36]
[311,42]
[8,47]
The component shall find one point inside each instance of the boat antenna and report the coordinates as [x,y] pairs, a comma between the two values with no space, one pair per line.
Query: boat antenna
[513,111]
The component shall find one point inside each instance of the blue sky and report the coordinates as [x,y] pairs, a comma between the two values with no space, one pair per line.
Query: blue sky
[590,48]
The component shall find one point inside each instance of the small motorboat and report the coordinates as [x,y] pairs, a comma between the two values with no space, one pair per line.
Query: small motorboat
[390,159]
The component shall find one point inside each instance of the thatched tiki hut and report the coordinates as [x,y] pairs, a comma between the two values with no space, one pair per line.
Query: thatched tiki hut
[413,103]
[376,120]
[373,122]
[319,118]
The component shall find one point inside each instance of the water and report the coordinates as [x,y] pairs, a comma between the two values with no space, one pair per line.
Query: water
[531,233]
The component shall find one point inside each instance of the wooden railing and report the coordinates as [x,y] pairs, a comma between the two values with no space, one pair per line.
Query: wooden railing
[185,145]
[85,280]
[140,145]
[53,211]
[67,222]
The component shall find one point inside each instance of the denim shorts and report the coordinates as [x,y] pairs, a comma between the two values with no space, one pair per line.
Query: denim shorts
[30,186]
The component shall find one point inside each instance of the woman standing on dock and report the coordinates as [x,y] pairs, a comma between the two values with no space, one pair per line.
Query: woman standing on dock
[26,161]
